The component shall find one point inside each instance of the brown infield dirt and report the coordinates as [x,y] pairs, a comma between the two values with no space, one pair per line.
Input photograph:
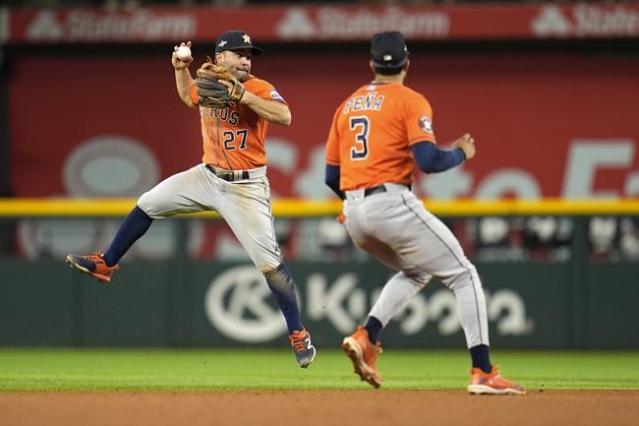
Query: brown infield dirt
[366,407]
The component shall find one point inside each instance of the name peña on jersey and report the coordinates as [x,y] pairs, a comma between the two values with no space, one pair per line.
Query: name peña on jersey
[372,101]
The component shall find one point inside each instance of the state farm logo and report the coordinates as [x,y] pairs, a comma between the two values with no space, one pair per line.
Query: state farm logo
[334,22]
[296,24]
[45,26]
[89,25]
[586,21]
[551,22]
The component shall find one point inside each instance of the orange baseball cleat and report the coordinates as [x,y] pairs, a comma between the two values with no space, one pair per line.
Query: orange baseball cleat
[492,384]
[92,264]
[363,354]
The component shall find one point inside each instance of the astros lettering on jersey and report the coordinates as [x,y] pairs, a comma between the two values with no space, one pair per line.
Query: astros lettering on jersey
[372,132]
[233,137]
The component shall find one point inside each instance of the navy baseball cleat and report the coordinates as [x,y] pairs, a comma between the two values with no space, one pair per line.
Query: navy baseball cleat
[305,352]
[93,265]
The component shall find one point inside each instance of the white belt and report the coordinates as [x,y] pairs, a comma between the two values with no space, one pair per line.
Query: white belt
[359,194]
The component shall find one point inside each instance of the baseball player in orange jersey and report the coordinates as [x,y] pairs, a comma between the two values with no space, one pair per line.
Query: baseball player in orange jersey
[378,134]
[230,180]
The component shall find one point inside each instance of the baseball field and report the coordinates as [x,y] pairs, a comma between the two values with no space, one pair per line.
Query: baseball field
[248,386]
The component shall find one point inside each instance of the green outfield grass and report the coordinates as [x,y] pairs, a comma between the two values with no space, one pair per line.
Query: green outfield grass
[170,370]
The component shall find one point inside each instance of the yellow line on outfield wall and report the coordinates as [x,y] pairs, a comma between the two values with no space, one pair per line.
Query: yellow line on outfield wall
[78,207]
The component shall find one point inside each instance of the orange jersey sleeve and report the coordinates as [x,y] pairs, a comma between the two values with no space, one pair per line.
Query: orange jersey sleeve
[332,143]
[371,134]
[233,137]
[264,90]
[419,120]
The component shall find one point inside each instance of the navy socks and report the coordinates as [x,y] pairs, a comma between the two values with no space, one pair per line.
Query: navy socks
[282,286]
[481,358]
[374,328]
[133,227]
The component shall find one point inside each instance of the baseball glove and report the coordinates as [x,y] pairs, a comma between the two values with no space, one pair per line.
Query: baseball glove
[212,93]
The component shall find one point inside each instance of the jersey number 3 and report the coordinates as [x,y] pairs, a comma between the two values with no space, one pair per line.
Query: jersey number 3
[361,125]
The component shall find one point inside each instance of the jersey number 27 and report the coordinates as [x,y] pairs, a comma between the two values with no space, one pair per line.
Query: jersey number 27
[231,137]
[361,125]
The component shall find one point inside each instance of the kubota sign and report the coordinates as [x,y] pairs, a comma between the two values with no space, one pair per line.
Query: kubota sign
[239,305]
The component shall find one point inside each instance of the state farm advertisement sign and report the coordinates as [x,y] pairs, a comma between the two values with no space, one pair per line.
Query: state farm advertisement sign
[91,26]
[321,23]
[346,24]
[586,20]
[545,125]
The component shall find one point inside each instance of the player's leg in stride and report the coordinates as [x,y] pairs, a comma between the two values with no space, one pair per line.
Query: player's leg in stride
[458,274]
[103,266]
[364,344]
[281,283]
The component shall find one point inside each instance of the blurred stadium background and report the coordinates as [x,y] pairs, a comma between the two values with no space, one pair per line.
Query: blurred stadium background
[89,119]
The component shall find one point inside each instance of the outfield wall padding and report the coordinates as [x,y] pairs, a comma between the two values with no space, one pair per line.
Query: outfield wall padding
[207,304]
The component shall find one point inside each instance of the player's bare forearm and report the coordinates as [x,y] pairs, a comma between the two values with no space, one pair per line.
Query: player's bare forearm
[272,111]
[184,82]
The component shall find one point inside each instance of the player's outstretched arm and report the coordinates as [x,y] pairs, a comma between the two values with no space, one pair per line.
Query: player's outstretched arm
[270,110]
[183,79]
[431,159]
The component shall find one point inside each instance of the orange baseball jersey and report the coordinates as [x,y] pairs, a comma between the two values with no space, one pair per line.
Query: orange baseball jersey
[233,137]
[372,133]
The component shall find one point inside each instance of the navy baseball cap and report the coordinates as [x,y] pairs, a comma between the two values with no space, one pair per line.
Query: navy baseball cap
[388,50]
[235,40]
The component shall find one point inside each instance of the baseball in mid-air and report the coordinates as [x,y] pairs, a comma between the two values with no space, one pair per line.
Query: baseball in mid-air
[183,53]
